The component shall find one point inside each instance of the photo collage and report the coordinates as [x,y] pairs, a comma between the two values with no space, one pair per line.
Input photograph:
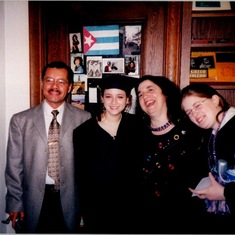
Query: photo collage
[97,51]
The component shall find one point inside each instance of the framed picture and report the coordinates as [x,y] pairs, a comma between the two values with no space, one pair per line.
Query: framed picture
[94,66]
[80,78]
[131,39]
[77,63]
[79,91]
[210,6]
[113,65]
[75,42]
[132,63]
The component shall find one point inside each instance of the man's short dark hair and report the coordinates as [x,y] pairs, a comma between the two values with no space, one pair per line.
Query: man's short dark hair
[59,65]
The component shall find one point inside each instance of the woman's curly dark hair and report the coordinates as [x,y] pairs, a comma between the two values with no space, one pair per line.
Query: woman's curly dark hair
[173,98]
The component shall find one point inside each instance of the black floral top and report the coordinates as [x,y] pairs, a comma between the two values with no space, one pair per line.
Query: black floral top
[172,163]
[170,157]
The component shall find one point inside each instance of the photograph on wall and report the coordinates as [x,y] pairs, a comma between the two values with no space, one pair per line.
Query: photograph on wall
[131,39]
[132,63]
[81,78]
[79,91]
[113,65]
[94,66]
[194,63]
[206,62]
[75,42]
[78,100]
[211,5]
[77,63]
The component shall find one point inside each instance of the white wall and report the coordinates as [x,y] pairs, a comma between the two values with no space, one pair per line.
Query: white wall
[14,78]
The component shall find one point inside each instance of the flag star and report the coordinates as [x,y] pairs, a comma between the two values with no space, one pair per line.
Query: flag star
[88,40]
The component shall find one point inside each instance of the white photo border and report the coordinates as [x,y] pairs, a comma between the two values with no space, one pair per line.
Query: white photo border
[116,63]
[223,6]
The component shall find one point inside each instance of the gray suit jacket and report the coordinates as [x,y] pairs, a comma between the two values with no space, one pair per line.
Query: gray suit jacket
[27,158]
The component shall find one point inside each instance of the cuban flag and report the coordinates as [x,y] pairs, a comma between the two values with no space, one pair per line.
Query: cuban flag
[101,40]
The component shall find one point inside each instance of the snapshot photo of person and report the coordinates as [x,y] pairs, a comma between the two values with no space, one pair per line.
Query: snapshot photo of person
[113,65]
[94,66]
[75,42]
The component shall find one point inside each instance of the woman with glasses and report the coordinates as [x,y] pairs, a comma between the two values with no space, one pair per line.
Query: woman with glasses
[172,147]
[209,110]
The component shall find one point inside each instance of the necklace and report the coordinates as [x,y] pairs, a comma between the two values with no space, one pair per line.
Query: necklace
[212,154]
[161,128]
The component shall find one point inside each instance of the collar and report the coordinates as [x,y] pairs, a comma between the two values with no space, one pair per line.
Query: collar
[47,111]
[229,114]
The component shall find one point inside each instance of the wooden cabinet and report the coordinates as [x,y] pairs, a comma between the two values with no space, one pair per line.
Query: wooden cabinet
[166,35]
[210,31]
[51,22]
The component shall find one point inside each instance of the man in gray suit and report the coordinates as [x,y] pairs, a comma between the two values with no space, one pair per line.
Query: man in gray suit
[30,192]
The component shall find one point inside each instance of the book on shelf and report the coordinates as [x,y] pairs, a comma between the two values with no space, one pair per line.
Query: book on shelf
[212,66]
[210,40]
[203,61]
[225,64]
[203,40]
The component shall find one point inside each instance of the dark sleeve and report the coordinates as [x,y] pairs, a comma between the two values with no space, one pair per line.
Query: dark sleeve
[229,193]
[196,146]
[78,146]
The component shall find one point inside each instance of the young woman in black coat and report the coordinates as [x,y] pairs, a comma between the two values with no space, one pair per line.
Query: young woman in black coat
[107,150]
[209,110]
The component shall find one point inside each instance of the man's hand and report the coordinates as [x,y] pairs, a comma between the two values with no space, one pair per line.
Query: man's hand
[14,216]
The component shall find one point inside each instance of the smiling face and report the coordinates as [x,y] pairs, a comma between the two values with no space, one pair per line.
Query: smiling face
[114,100]
[55,86]
[202,111]
[151,99]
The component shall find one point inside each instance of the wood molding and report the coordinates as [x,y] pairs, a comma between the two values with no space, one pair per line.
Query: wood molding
[49,34]
[35,52]
[185,44]
[173,39]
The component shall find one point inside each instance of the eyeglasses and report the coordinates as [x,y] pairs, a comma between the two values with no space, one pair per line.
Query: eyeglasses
[197,106]
[50,81]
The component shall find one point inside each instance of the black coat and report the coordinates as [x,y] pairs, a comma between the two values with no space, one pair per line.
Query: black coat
[107,171]
[225,149]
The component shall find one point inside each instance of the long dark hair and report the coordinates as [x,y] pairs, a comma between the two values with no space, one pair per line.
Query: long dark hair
[172,93]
